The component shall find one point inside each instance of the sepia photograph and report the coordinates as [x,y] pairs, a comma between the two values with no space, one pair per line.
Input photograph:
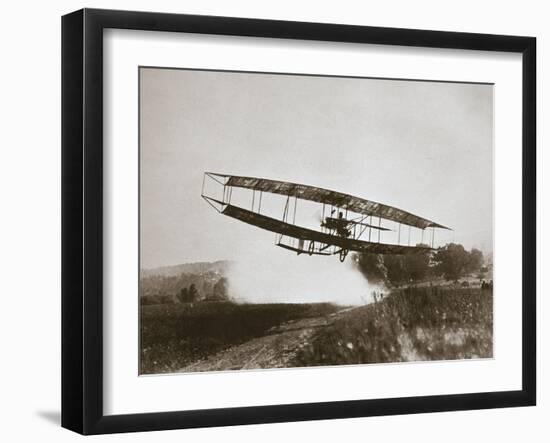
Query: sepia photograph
[292,220]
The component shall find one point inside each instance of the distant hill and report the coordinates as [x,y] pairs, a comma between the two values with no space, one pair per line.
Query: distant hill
[219,267]
[187,282]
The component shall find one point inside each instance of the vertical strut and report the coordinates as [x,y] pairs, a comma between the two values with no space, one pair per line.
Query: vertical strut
[370,225]
[295,203]
[286,208]
[260,205]
[399,234]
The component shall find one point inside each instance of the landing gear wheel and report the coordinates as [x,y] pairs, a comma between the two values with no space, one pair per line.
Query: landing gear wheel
[343,255]
[311,247]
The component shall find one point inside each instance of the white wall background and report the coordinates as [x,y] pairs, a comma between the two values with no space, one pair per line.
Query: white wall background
[30,218]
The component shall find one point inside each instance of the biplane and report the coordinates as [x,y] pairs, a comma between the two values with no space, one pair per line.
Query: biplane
[347,223]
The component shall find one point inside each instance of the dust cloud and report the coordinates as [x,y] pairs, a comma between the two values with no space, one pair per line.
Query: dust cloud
[273,275]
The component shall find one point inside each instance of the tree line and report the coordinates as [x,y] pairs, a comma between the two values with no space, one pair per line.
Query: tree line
[451,262]
[191,294]
[184,292]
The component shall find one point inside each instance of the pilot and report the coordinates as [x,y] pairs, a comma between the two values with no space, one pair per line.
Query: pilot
[341,226]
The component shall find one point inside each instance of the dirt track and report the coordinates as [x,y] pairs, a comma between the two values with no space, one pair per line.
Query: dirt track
[274,350]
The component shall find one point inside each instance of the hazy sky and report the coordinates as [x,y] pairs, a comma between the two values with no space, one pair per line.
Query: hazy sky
[424,147]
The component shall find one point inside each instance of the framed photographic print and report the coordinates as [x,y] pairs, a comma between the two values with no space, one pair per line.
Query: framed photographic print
[269,221]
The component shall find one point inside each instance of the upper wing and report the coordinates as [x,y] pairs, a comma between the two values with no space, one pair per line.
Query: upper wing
[338,199]
[290,230]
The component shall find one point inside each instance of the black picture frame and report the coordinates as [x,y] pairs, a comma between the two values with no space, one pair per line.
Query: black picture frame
[82,218]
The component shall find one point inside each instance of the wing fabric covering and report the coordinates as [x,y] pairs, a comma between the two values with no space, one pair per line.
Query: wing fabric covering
[290,230]
[337,199]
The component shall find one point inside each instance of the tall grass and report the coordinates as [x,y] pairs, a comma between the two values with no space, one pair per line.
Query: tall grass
[410,324]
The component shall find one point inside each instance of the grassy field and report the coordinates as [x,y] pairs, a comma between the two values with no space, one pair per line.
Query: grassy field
[174,335]
[408,325]
[412,324]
